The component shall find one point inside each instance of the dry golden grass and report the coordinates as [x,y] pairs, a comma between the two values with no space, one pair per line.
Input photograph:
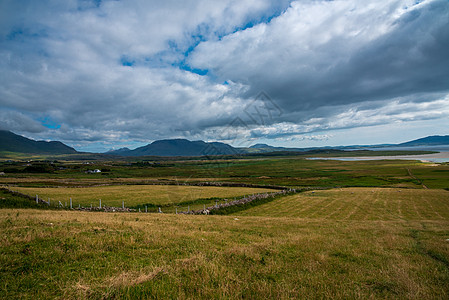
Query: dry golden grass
[73,255]
[125,279]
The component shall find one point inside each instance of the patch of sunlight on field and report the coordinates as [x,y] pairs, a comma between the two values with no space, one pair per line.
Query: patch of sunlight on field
[137,194]
[359,204]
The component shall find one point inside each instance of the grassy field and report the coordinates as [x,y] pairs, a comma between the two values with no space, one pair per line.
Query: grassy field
[383,233]
[289,171]
[72,255]
[134,195]
[360,204]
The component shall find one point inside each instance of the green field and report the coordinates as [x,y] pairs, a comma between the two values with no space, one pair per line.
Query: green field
[134,195]
[287,171]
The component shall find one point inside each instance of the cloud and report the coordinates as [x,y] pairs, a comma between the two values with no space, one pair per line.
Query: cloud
[321,53]
[19,121]
[115,66]
[142,70]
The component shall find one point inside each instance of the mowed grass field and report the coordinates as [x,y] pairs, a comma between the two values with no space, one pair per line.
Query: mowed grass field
[134,195]
[360,204]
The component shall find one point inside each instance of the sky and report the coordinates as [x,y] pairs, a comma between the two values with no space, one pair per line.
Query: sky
[106,74]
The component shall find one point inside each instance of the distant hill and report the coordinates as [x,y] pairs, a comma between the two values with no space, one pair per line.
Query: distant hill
[12,142]
[428,141]
[118,151]
[261,146]
[264,148]
[179,147]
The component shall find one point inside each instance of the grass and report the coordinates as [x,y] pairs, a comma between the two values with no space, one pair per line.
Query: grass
[73,255]
[433,176]
[134,195]
[356,242]
[8,200]
[290,171]
[359,204]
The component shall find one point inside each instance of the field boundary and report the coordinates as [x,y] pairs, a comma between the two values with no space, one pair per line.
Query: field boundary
[19,194]
[249,202]
[227,207]
[414,177]
[171,182]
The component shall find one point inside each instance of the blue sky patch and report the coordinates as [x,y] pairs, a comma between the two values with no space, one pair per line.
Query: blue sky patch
[49,123]
[126,61]
[185,67]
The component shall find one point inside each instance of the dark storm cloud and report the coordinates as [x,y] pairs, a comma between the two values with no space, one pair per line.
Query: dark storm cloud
[348,55]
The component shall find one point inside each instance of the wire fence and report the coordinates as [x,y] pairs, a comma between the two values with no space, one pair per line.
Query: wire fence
[202,206]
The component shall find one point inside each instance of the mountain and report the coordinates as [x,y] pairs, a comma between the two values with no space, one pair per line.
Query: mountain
[261,146]
[118,151]
[264,148]
[183,147]
[428,141]
[12,142]
[179,147]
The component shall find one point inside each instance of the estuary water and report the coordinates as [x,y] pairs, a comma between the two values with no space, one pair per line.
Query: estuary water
[441,157]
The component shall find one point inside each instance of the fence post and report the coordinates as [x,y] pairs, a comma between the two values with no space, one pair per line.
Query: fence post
[176,210]
[100,203]
[48,201]
[71,203]
[139,209]
[188,208]
[146,208]
[123,204]
[37,199]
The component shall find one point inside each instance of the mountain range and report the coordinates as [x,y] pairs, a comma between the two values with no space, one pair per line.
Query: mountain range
[178,147]
[11,142]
